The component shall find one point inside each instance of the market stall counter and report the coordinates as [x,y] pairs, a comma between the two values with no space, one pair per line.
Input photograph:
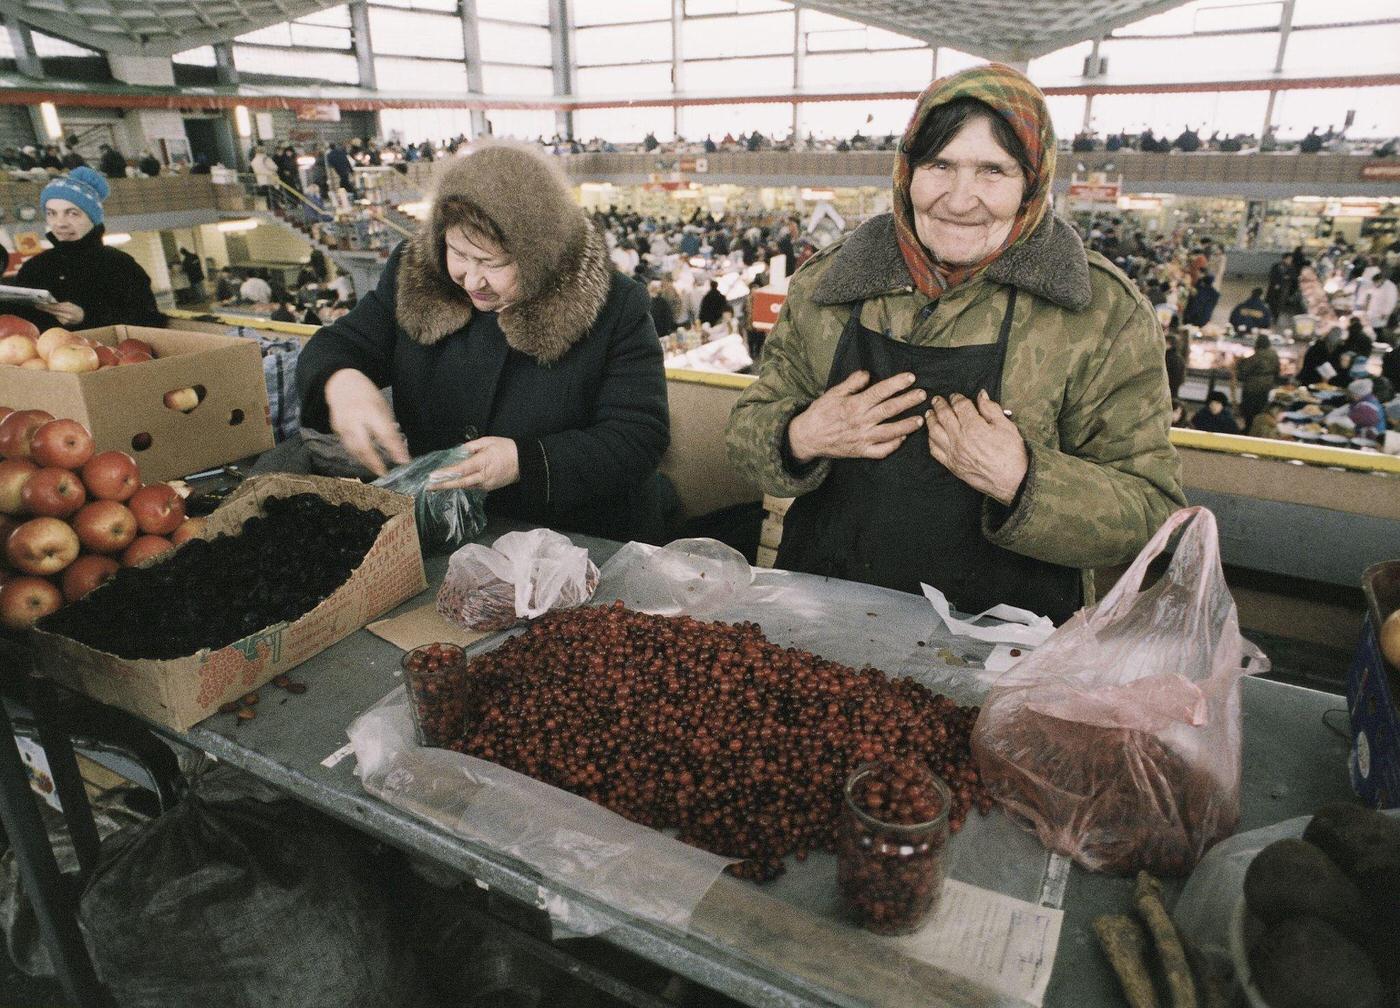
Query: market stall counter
[771,944]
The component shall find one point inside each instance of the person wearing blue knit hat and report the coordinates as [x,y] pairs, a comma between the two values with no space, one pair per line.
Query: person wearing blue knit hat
[92,284]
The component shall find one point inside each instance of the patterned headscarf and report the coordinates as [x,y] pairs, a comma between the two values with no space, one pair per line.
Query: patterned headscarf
[1021,104]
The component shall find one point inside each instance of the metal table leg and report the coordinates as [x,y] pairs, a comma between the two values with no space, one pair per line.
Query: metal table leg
[38,872]
[67,780]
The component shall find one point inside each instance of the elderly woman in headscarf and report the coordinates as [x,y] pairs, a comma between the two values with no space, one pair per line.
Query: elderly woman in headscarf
[957,393]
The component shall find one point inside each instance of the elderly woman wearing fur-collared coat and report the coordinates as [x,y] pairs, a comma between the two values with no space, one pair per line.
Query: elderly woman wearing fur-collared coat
[503,325]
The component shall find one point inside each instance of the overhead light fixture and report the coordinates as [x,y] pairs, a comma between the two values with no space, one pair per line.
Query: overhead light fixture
[120,238]
[242,121]
[247,224]
[49,113]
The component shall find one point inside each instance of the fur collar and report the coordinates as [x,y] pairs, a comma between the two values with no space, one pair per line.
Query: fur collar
[430,306]
[1050,264]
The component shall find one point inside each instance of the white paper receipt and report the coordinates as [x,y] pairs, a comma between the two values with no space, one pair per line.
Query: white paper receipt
[330,761]
[1000,942]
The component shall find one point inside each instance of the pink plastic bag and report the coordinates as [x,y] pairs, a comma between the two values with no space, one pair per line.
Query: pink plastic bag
[1118,740]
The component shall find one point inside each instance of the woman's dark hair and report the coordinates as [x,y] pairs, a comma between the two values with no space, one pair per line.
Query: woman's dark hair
[1261,342]
[944,123]
[458,212]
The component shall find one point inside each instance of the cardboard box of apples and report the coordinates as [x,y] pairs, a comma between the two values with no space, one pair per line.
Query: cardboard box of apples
[57,349]
[70,516]
[178,401]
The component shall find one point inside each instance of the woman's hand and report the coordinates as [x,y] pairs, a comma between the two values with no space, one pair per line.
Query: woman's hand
[66,312]
[979,445]
[494,463]
[849,420]
[361,416]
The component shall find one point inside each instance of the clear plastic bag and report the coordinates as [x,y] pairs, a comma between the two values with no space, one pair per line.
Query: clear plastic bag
[520,576]
[446,519]
[1118,740]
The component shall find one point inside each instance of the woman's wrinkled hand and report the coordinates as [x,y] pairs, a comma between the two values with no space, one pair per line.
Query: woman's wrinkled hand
[362,418]
[65,312]
[978,444]
[494,463]
[851,421]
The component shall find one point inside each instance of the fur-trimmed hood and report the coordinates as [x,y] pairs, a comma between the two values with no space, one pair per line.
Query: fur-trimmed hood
[430,306]
[1051,263]
[565,273]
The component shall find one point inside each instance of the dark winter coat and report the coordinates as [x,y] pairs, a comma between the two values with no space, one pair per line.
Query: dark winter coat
[1217,423]
[712,307]
[1176,370]
[1201,305]
[107,284]
[339,162]
[662,316]
[1251,313]
[572,372]
[113,165]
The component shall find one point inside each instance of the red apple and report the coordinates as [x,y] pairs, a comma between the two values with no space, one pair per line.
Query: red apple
[190,528]
[159,510]
[14,474]
[182,399]
[63,443]
[13,324]
[106,356]
[132,356]
[105,526]
[54,338]
[42,546]
[74,358]
[18,348]
[26,599]
[144,548]
[111,475]
[53,493]
[17,429]
[86,573]
[5,411]
[131,345]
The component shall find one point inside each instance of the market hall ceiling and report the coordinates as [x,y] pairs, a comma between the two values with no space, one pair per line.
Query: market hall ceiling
[995,29]
[154,27]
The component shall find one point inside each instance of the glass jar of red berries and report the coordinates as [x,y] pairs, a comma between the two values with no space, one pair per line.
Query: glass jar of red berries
[438,692]
[890,844]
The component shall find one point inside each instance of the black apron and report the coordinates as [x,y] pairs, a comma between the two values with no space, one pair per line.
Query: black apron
[906,519]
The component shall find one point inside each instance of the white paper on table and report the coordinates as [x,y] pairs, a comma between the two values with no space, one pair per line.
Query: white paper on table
[1000,942]
[1021,627]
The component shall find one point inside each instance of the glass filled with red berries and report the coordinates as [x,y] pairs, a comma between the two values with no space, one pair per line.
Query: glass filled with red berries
[438,692]
[890,845]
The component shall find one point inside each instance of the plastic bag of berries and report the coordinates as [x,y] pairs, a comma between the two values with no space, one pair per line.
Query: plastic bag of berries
[520,576]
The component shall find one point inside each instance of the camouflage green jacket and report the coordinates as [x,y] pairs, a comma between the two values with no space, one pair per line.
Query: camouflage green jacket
[1085,378]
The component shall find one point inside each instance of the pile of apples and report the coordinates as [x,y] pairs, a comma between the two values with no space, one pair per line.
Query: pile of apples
[70,518]
[22,345]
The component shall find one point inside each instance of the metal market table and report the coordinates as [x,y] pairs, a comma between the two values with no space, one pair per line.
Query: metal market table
[1293,762]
